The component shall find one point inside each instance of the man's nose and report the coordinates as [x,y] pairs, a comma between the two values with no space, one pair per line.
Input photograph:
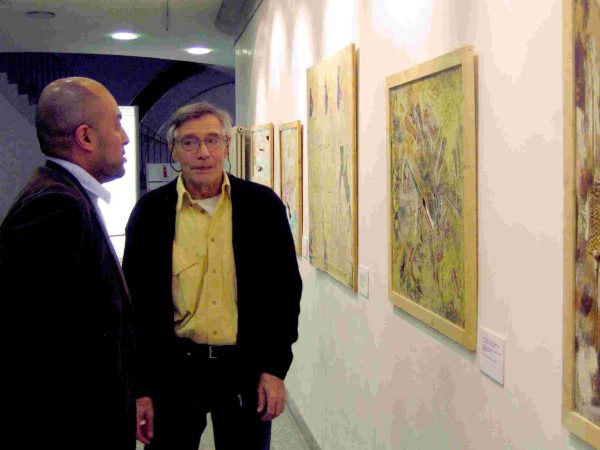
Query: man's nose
[203,150]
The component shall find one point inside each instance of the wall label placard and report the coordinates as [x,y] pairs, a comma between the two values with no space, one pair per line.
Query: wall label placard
[491,355]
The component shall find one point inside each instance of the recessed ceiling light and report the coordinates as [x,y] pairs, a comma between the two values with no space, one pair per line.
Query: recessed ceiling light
[124,36]
[198,50]
[40,14]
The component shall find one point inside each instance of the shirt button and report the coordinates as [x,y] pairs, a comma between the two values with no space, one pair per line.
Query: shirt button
[212,239]
[214,332]
[214,271]
[214,303]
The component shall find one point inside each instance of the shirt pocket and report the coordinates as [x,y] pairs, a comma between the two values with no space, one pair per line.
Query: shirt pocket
[186,280]
[183,259]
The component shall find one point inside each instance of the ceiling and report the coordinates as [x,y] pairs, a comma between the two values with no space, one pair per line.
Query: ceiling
[167,27]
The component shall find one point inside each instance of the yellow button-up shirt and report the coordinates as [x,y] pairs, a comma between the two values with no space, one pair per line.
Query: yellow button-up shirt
[204,281]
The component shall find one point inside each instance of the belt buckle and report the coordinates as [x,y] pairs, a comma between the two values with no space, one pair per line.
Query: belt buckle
[211,355]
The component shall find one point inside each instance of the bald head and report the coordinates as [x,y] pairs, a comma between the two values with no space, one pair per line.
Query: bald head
[64,105]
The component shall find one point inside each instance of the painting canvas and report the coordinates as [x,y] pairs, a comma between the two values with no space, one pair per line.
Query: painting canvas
[262,154]
[290,157]
[581,384]
[332,192]
[433,214]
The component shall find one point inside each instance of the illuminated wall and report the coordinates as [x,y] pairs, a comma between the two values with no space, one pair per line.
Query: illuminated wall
[123,190]
[365,375]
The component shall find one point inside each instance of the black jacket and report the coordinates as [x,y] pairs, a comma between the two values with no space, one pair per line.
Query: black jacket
[269,286]
[67,321]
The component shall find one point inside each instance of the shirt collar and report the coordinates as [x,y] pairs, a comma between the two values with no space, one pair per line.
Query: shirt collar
[183,194]
[89,183]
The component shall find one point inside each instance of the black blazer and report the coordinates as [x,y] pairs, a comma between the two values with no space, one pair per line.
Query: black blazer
[67,322]
[269,286]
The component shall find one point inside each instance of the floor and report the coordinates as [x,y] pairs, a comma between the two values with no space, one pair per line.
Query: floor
[285,435]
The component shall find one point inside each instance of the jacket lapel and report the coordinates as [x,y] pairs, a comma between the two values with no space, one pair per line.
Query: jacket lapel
[99,221]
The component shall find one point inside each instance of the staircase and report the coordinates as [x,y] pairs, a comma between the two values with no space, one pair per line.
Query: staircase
[31,71]
[24,75]
[20,102]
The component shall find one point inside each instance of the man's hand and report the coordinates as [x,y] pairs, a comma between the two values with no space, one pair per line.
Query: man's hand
[271,396]
[145,420]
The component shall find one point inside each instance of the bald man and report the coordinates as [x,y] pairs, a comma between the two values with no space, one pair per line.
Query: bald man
[65,306]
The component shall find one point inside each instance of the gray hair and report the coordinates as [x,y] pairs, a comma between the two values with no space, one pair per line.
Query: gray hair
[195,111]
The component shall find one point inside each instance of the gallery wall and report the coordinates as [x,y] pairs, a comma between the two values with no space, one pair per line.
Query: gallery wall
[367,375]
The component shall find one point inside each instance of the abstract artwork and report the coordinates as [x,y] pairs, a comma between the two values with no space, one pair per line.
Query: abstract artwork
[581,377]
[433,209]
[332,187]
[261,149]
[290,157]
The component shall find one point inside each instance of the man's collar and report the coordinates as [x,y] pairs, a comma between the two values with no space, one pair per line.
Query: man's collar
[88,182]
[183,195]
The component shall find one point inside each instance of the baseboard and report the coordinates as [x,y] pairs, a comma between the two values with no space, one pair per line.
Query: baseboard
[302,426]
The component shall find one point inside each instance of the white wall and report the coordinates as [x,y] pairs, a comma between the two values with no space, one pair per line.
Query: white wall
[367,376]
[19,154]
[124,190]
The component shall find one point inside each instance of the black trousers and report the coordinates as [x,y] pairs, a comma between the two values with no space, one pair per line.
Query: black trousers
[202,380]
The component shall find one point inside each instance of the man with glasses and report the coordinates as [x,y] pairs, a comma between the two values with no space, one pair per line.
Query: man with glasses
[67,319]
[213,275]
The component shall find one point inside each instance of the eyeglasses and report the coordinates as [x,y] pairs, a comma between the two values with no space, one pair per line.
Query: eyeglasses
[193,143]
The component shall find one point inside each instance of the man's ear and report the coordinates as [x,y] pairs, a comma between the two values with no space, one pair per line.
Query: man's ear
[84,137]
[173,152]
[227,145]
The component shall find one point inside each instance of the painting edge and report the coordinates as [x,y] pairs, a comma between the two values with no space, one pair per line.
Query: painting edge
[573,421]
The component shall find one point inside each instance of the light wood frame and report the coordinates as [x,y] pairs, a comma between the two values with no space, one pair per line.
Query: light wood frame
[465,59]
[271,151]
[350,280]
[575,422]
[295,125]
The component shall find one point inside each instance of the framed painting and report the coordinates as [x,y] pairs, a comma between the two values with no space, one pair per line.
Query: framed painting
[581,346]
[290,159]
[332,165]
[431,130]
[261,154]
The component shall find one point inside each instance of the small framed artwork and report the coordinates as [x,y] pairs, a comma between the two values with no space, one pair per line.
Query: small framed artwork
[581,336]
[290,158]
[261,150]
[433,200]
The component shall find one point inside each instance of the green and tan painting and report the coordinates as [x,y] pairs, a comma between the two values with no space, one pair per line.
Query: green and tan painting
[587,188]
[331,139]
[262,155]
[427,225]
[290,142]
